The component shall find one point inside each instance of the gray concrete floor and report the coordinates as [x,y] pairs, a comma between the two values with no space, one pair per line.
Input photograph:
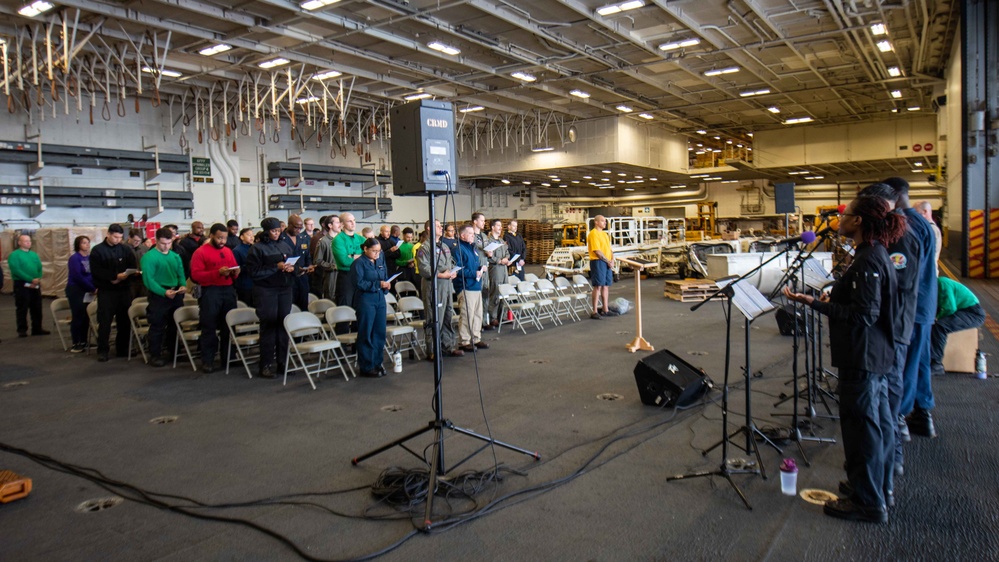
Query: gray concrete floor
[600,490]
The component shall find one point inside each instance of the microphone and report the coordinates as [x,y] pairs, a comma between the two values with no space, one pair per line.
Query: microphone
[807,237]
[837,211]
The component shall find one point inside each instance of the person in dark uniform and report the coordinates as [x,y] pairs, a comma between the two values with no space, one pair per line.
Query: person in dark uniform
[214,268]
[298,241]
[243,283]
[517,247]
[862,308]
[187,245]
[369,277]
[232,227]
[111,263]
[272,281]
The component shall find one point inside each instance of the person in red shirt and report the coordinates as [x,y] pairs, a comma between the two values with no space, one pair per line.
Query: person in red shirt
[214,268]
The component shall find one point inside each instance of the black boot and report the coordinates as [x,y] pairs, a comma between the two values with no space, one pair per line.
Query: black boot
[920,422]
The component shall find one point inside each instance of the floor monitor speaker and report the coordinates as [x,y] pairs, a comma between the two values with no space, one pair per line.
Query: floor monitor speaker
[665,380]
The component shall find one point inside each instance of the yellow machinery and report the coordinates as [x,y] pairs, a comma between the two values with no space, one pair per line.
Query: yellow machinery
[573,235]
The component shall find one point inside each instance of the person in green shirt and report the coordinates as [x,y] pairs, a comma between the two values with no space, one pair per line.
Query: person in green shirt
[346,248]
[957,309]
[26,273]
[405,262]
[163,275]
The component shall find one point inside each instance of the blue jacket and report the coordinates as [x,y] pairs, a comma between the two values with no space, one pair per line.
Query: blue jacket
[926,304]
[366,278]
[468,259]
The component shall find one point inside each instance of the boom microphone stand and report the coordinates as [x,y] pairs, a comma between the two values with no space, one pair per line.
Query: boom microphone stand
[438,468]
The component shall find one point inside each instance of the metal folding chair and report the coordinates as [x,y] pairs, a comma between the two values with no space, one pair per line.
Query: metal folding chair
[244,335]
[186,318]
[306,325]
[62,315]
[140,329]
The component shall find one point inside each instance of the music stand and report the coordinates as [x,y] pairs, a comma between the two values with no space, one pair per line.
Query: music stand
[752,304]
[639,342]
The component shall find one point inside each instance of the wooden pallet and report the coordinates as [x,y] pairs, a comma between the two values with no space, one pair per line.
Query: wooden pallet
[689,290]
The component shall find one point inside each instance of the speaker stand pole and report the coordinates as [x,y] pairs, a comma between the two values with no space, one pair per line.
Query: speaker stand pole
[724,470]
[438,469]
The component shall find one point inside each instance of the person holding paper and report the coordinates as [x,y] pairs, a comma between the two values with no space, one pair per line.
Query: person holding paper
[478,228]
[110,262]
[326,271]
[298,241]
[346,248]
[862,312]
[163,276]
[498,262]
[272,276]
[78,286]
[468,285]
[214,268]
[369,277]
[517,247]
[405,257]
[26,273]
[244,283]
[441,273]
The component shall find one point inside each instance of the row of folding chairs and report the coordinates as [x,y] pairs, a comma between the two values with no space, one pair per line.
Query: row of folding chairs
[531,302]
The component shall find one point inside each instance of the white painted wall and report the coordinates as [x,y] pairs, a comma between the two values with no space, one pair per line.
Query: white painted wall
[953,144]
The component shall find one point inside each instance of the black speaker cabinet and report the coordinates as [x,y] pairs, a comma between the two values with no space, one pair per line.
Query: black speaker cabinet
[784,198]
[785,321]
[665,380]
[423,148]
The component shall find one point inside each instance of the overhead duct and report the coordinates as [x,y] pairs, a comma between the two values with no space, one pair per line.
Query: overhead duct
[681,198]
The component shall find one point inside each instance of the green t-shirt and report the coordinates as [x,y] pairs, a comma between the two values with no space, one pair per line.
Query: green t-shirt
[345,249]
[406,254]
[24,265]
[952,297]
[162,271]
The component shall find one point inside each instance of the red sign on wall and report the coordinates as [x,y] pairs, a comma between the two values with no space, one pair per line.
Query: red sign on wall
[917,147]
[928,147]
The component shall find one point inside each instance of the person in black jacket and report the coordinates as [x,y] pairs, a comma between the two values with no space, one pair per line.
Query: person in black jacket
[272,282]
[517,247]
[295,238]
[111,263]
[862,313]
[189,244]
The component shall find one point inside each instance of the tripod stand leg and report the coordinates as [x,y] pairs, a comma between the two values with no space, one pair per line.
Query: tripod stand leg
[723,472]
[395,443]
[724,439]
[536,456]
[428,514]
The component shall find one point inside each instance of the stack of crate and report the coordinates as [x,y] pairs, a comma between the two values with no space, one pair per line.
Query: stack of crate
[539,238]
[689,290]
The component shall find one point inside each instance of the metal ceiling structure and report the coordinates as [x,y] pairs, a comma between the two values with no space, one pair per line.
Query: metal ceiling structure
[728,67]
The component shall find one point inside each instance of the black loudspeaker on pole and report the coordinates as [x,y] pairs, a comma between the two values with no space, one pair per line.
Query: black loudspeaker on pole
[423,148]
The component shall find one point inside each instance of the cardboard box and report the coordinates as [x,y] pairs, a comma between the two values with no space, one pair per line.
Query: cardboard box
[959,355]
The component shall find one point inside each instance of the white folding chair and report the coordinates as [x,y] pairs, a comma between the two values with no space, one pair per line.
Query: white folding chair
[544,306]
[186,318]
[140,329]
[335,316]
[62,315]
[530,278]
[306,325]
[518,310]
[319,308]
[580,301]
[563,303]
[92,315]
[244,335]
[312,298]
[404,288]
[241,304]
[294,308]
[391,314]
[414,307]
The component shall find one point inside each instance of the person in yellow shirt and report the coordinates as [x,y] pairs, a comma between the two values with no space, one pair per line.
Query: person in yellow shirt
[601,265]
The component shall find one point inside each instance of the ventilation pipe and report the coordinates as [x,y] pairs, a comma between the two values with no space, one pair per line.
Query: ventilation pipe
[215,152]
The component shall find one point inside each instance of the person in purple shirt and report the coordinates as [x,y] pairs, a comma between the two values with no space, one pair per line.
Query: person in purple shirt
[80,284]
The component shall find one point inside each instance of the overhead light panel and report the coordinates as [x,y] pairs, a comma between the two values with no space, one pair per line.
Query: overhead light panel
[672,46]
[524,76]
[646,116]
[525,182]
[215,49]
[316,4]
[625,109]
[420,96]
[444,48]
[326,75]
[164,72]
[798,120]
[472,109]
[505,181]
[542,149]
[754,93]
[273,63]
[611,9]
[897,94]
[894,71]
[913,108]
[310,99]
[885,46]
[33,9]
[918,164]
[720,71]
[702,132]
[579,94]
[878,29]
[773,109]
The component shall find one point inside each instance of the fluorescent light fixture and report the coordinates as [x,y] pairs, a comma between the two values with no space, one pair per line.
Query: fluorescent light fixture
[621,181]
[165,72]
[587,177]
[646,116]
[605,171]
[896,94]
[629,189]
[878,29]
[913,108]
[579,94]
[35,8]
[678,186]
[749,134]
[700,176]
[604,179]
[637,177]
[444,48]
[885,46]
[524,76]
[653,179]
[797,120]
[699,152]
[718,72]
[316,4]
[622,174]
[611,9]
[730,181]
[563,185]
[625,109]
[918,164]
[420,96]
[542,149]
[326,75]
[701,132]
[471,109]
[801,173]
[310,99]
[717,138]
[713,179]
[546,185]
[728,142]
[739,145]
[754,93]
[672,46]
[273,63]
[525,182]
[894,71]
[894,110]
[917,171]
[575,181]
[815,178]
[716,150]
[505,181]
[553,176]
[215,49]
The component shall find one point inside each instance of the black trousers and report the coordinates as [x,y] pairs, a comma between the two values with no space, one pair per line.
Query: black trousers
[80,323]
[245,295]
[273,304]
[27,300]
[214,304]
[300,292]
[162,328]
[344,293]
[112,306]
[864,411]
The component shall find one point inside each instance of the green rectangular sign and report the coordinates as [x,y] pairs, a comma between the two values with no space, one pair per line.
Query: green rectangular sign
[201,166]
